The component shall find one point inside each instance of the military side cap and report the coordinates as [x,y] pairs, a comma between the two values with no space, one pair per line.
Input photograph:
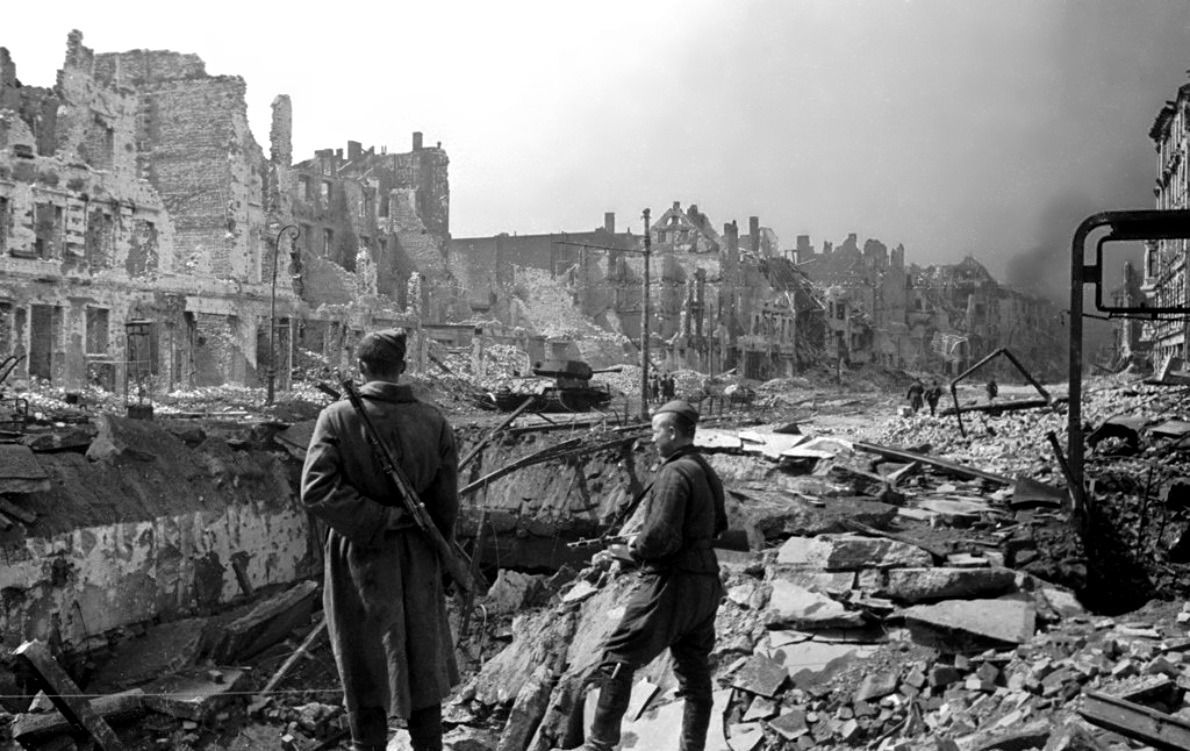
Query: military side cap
[681,408]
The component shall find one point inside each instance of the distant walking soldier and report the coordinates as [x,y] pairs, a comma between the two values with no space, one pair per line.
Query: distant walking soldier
[667,386]
[674,604]
[992,389]
[933,394]
[916,391]
[383,595]
[654,388]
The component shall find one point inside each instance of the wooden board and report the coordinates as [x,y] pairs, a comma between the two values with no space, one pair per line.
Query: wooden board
[1135,721]
[65,694]
[40,727]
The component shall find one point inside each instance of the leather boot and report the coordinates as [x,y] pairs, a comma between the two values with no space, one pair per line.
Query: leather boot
[696,718]
[425,728]
[614,694]
[369,728]
[694,685]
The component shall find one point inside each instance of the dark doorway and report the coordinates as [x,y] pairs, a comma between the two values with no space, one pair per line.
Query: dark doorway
[41,342]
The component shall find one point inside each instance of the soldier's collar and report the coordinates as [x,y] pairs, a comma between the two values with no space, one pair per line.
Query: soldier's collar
[387,392]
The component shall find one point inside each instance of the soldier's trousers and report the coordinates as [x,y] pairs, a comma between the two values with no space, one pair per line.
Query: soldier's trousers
[674,611]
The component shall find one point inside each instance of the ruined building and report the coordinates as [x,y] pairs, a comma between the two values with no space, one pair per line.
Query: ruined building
[716,302]
[942,318]
[1165,267]
[139,225]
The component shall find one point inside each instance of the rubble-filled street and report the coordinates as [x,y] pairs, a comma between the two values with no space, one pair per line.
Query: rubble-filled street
[890,583]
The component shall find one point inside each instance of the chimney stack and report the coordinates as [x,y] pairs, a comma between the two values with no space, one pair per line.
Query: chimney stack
[609,222]
[417,140]
[754,232]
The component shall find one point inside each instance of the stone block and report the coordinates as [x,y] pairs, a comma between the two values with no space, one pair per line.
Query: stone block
[850,553]
[1008,621]
[821,581]
[876,686]
[797,607]
[928,584]
[512,591]
[192,695]
[760,675]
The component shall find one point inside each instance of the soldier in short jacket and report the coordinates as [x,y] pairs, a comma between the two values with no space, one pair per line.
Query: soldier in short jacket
[679,591]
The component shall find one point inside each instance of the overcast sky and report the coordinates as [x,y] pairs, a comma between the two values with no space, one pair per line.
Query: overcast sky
[955,127]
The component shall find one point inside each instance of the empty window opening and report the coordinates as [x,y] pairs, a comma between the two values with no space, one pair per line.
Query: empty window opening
[4,223]
[97,331]
[47,230]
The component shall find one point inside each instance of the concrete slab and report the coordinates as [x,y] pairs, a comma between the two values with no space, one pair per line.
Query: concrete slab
[761,708]
[193,694]
[714,439]
[876,686]
[1063,602]
[760,675]
[946,583]
[770,445]
[800,608]
[1010,621]
[745,736]
[850,553]
[810,662]
[827,582]
[791,724]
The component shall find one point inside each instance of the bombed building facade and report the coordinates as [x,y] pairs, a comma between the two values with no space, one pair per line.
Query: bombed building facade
[1166,271]
[147,241]
[941,318]
[140,224]
[716,301]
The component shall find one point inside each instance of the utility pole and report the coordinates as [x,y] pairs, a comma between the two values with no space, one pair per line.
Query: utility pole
[644,327]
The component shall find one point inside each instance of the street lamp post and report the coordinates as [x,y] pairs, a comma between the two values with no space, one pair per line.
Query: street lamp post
[644,327]
[294,232]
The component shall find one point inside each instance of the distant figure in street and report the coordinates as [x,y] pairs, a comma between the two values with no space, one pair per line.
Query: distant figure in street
[654,388]
[916,391]
[993,389]
[933,394]
[667,387]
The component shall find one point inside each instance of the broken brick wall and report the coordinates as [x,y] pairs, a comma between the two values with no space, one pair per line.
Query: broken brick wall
[424,169]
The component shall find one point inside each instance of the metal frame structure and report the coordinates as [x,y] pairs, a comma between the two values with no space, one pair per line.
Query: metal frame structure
[954,393]
[1120,226]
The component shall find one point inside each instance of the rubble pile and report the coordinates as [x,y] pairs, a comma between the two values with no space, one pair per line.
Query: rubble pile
[849,641]
[545,305]
[1137,510]
[891,584]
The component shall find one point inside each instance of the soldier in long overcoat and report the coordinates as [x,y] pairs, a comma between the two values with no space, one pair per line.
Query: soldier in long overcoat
[383,594]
